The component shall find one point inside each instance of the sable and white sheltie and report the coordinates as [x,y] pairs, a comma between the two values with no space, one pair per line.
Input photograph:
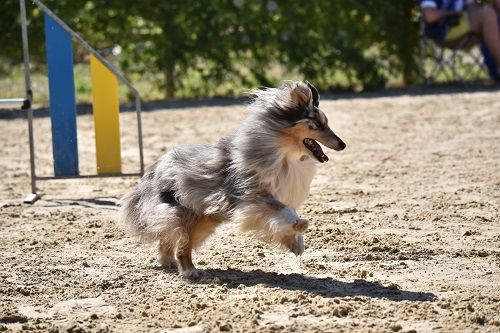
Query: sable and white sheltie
[256,176]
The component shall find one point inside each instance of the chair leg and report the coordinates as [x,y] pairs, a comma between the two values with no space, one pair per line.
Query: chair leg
[457,64]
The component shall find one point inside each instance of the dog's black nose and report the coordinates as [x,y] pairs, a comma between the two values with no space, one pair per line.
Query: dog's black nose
[342,145]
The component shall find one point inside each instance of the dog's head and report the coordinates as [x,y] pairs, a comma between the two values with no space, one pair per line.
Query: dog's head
[295,108]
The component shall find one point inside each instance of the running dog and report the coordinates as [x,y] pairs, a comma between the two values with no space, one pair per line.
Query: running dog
[256,176]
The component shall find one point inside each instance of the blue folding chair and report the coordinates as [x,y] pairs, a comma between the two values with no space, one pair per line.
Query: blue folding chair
[460,60]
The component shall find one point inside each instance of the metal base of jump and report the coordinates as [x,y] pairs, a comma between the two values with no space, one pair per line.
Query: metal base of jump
[59,60]
[13,103]
[31,198]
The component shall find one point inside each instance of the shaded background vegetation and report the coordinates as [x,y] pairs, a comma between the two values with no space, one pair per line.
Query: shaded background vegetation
[186,48]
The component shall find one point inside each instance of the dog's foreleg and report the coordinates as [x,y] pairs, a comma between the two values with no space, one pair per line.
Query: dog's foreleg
[295,243]
[284,217]
[288,220]
[273,220]
[293,228]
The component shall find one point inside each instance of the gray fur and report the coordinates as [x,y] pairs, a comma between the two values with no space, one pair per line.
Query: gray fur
[222,180]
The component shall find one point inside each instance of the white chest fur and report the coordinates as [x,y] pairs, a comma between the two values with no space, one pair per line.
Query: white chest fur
[289,181]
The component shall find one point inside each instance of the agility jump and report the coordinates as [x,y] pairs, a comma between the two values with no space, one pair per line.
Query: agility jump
[105,104]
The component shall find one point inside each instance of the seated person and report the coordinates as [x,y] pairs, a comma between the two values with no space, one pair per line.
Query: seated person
[449,20]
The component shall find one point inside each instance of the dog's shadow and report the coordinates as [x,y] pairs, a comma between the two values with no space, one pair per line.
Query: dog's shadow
[326,287]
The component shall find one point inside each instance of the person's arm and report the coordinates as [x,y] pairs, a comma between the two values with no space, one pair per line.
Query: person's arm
[468,4]
[496,6]
[432,15]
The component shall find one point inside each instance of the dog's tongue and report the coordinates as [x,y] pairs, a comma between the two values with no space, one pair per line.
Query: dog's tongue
[323,155]
[315,148]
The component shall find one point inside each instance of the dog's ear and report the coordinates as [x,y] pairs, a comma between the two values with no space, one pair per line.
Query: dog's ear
[315,94]
[300,95]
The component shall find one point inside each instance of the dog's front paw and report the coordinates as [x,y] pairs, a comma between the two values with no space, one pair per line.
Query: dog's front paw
[192,274]
[295,243]
[300,225]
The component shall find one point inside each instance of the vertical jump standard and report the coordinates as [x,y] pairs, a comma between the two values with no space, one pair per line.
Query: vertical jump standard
[105,104]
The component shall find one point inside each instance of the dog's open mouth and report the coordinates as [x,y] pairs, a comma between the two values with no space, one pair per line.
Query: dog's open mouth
[315,148]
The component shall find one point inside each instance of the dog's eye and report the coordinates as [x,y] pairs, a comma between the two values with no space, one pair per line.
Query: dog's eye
[314,124]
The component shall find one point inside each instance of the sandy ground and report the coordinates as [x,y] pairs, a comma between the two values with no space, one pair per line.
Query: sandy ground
[405,232]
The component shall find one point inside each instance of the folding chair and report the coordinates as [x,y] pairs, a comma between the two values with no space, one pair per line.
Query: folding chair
[458,61]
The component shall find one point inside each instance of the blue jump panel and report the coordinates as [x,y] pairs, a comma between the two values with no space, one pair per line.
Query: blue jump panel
[62,98]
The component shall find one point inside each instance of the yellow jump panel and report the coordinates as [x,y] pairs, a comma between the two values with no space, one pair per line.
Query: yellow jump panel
[106,118]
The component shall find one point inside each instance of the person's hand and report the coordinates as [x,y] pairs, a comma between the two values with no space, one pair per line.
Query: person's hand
[452,18]
[453,14]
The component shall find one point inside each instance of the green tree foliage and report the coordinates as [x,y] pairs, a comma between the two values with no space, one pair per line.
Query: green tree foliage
[349,43]
[10,29]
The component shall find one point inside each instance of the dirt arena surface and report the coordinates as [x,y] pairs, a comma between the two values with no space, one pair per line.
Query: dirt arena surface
[404,236]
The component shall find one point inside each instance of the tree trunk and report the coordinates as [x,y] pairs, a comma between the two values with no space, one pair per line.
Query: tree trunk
[408,48]
[169,81]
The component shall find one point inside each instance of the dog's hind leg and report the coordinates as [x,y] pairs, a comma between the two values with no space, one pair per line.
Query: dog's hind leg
[185,260]
[172,225]
[203,228]
[193,237]
[166,254]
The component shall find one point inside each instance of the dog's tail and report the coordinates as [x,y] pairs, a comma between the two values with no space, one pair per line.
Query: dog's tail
[138,211]
[131,214]
[149,213]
